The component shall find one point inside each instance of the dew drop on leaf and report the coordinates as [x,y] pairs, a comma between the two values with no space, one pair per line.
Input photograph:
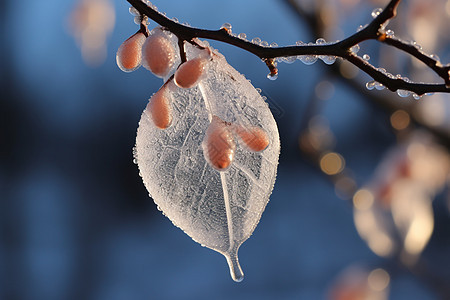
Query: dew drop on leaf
[218,209]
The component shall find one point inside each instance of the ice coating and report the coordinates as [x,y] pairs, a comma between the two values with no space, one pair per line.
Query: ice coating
[190,72]
[129,54]
[255,138]
[218,144]
[159,108]
[159,53]
[219,210]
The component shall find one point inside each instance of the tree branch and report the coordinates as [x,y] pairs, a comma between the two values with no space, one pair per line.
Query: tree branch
[373,31]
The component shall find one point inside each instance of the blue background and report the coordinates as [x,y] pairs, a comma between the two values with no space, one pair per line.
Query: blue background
[76,220]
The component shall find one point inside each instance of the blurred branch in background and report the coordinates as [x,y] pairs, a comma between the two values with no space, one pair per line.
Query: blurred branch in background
[91,22]
[393,213]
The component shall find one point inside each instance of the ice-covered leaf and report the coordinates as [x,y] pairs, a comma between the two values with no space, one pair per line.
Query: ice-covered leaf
[218,209]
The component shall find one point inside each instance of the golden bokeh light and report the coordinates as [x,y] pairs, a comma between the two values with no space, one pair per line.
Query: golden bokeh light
[332,163]
[363,199]
[381,244]
[378,279]
[373,232]
[400,119]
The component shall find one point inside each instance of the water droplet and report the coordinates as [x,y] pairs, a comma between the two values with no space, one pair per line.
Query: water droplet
[264,44]
[415,96]
[133,11]
[355,49]
[403,93]
[235,268]
[371,85]
[137,20]
[299,43]
[366,57]
[390,33]
[135,161]
[226,26]
[320,41]
[379,86]
[435,57]
[416,45]
[361,27]
[175,20]
[329,60]
[382,70]
[242,36]
[429,94]
[290,59]
[376,12]
[272,76]
[256,40]
[308,59]
[258,90]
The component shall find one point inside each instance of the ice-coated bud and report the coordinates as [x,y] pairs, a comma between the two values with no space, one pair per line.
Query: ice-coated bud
[158,54]
[159,108]
[129,54]
[254,138]
[190,72]
[218,144]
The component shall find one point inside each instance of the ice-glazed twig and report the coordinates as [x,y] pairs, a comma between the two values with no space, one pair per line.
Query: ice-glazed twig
[343,49]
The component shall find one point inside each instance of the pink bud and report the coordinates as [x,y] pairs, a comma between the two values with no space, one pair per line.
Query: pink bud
[129,54]
[158,54]
[218,144]
[255,138]
[190,72]
[159,108]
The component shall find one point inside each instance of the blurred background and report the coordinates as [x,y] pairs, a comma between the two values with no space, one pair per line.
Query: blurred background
[361,206]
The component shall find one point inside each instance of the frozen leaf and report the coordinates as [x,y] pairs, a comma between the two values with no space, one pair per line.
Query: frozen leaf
[218,209]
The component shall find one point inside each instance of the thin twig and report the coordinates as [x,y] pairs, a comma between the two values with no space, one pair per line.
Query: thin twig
[373,31]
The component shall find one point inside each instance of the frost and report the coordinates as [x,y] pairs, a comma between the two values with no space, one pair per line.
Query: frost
[218,209]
